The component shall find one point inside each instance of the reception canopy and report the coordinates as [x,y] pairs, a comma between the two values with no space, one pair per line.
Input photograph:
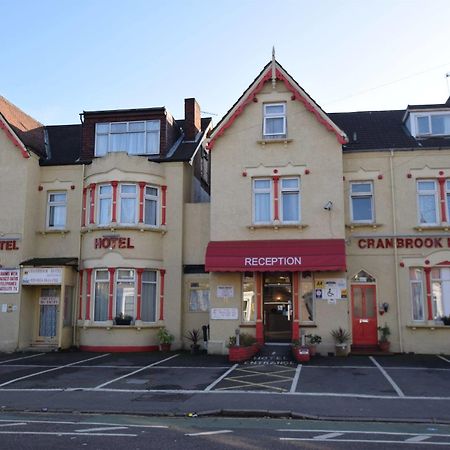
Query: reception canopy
[297,255]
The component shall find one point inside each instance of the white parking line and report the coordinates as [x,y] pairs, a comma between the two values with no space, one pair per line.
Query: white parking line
[61,433]
[14,424]
[445,359]
[23,357]
[134,372]
[386,375]
[51,370]
[214,383]
[208,433]
[296,378]
[89,430]
[66,422]
[386,433]
[421,438]
[324,437]
[365,441]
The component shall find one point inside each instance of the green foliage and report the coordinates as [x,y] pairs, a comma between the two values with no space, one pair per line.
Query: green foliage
[164,336]
[341,336]
[245,340]
[193,336]
[314,338]
[384,332]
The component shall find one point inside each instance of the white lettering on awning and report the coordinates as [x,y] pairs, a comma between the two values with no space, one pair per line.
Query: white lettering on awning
[273,261]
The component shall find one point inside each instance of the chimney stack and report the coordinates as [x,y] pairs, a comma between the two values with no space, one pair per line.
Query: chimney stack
[192,119]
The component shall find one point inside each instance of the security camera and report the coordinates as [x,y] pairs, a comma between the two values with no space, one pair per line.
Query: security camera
[328,205]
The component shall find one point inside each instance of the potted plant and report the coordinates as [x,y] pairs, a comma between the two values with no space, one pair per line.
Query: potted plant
[246,349]
[383,342]
[300,352]
[194,336]
[446,320]
[313,340]
[123,319]
[165,339]
[341,338]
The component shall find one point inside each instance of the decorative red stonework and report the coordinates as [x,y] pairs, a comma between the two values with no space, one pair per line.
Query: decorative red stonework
[380,177]
[402,264]
[408,175]
[307,171]
[441,172]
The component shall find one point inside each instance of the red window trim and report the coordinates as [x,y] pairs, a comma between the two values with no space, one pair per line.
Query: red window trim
[276,214]
[112,271]
[142,185]
[88,294]
[139,294]
[163,204]
[83,209]
[92,203]
[442,181]
[427,271]
[162,274]
[80,306]
[114,185]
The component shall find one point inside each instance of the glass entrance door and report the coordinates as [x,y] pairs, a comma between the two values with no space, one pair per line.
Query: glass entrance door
[277,295]
[48,313]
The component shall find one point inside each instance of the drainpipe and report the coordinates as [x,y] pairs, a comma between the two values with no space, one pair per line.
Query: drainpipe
[394,229]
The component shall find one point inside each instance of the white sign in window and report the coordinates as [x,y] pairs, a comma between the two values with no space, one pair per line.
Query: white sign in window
[9,281]
[42,275]
[224,313]
[225,292]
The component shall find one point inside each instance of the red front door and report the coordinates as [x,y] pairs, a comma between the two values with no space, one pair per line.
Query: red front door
[364,308]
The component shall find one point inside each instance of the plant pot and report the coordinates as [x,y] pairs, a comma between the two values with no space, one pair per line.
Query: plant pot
[312,349]
[122,321]
[240,353]
[165,347]
[195,349]
[384,345]
[341,349]
[301,353]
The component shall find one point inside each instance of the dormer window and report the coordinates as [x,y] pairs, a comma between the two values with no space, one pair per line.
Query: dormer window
[274,126]
[432,124]
[135,138]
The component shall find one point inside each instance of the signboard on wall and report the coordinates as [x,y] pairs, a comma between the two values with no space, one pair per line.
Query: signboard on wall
[224,313]
[49,300]
[9,281]
[42,275]
[331,289]
[225,292]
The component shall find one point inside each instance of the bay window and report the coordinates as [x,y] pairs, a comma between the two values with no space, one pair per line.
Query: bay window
[427,201]
[104,204]
[433,124]
[440,287]
[135,138]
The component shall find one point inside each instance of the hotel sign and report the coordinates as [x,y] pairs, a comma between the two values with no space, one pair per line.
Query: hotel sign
[413,242]
[8,244]
[110,242]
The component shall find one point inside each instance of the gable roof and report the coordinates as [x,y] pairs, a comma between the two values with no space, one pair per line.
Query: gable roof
[28,130]
[274,68]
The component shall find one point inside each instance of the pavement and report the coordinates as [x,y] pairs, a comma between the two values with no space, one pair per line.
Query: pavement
[404,388]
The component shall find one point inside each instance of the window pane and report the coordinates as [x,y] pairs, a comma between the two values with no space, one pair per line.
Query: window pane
[60,197]
[128,189]
[249,299]
[357,302]
[136,126]
[290,183]
[101,146]
[274,109]
[199,297]
[427,186]
[153,125]
[427,209]
[125,298]
[307,299]
[102,128]
[361,187]
[362,208]
[423,125]
[262,184]
[104,215]
[149,275]
[440,124]
[101,300]
[274,125]
[290,207]
[151,191]
[148,307]
[57,216]
[118,128]
[152,143]
[136,143]
[151,211]
[119,142]
[105,190]
[262,207]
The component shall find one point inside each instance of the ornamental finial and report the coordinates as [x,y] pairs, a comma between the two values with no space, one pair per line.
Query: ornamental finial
[274,76]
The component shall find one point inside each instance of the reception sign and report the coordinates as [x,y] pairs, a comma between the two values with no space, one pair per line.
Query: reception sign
[42,276]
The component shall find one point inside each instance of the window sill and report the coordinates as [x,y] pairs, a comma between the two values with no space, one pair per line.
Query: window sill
[284,141]
[354,225]
[247,325]
[140,227]
[276,226]
[427,326]
[44,232]
[442,227]
[109,326]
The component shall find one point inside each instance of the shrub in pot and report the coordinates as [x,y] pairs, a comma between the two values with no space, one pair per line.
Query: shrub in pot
[313,340]
[246,349]
[194,336]
[165,339]
[341,338]
[383,342]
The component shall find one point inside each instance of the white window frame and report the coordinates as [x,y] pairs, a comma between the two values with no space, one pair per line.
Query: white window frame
[197,286]
[155,198]
[127,195]
[422,294]
[104,281]
[56,204]
[362,195]
[146,131]
[447,198]
[289,190]
[274,116]
[101,197]
[117,280]
[245,305]
[428,115]
[156,284]
[435,193]
[269,191]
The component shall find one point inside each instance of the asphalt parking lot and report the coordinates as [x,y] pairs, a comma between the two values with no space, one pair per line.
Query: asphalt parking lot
[398,376]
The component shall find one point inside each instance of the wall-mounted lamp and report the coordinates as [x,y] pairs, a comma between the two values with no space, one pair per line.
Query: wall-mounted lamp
[328,205]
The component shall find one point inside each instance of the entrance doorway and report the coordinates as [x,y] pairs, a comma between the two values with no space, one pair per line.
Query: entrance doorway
[364,315]
[48,314]
[277,298]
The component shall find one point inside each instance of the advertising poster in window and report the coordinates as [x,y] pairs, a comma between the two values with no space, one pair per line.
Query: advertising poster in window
[42,276]
[331,289]
[224,313]
[9,281]
[225,292]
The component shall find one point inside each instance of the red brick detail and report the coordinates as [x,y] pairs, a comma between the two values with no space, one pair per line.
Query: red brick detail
[276,214]
[162,274]
[141,201]
[139,294]
[92,203]
[114,185]
[88,294]
[442,199]
[14,140]
[428,290]
[163,204]
[239,354]
[112,272]
[80,299]
[83,208]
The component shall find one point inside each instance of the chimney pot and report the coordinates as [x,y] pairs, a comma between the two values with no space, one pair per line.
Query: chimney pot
[192,119]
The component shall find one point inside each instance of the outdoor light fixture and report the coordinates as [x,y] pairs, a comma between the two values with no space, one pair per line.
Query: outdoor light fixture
[328,205]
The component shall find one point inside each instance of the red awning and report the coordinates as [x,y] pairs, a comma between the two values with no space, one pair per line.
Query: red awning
[278,255]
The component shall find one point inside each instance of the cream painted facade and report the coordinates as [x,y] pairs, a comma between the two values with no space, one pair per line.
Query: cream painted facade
[277,237]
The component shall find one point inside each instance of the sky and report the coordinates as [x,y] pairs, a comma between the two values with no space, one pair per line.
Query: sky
[62,57]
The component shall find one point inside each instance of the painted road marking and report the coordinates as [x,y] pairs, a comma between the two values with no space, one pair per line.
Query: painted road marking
[386,433]
[208,433]
[445,359]
[88,430]
[12,424]
[65,422]
[23,357]
[418,438]
[296,378]
[365,441]
[323,437]
[51,370]
[68,433]
[214,383]
[134,372]
[386,375]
